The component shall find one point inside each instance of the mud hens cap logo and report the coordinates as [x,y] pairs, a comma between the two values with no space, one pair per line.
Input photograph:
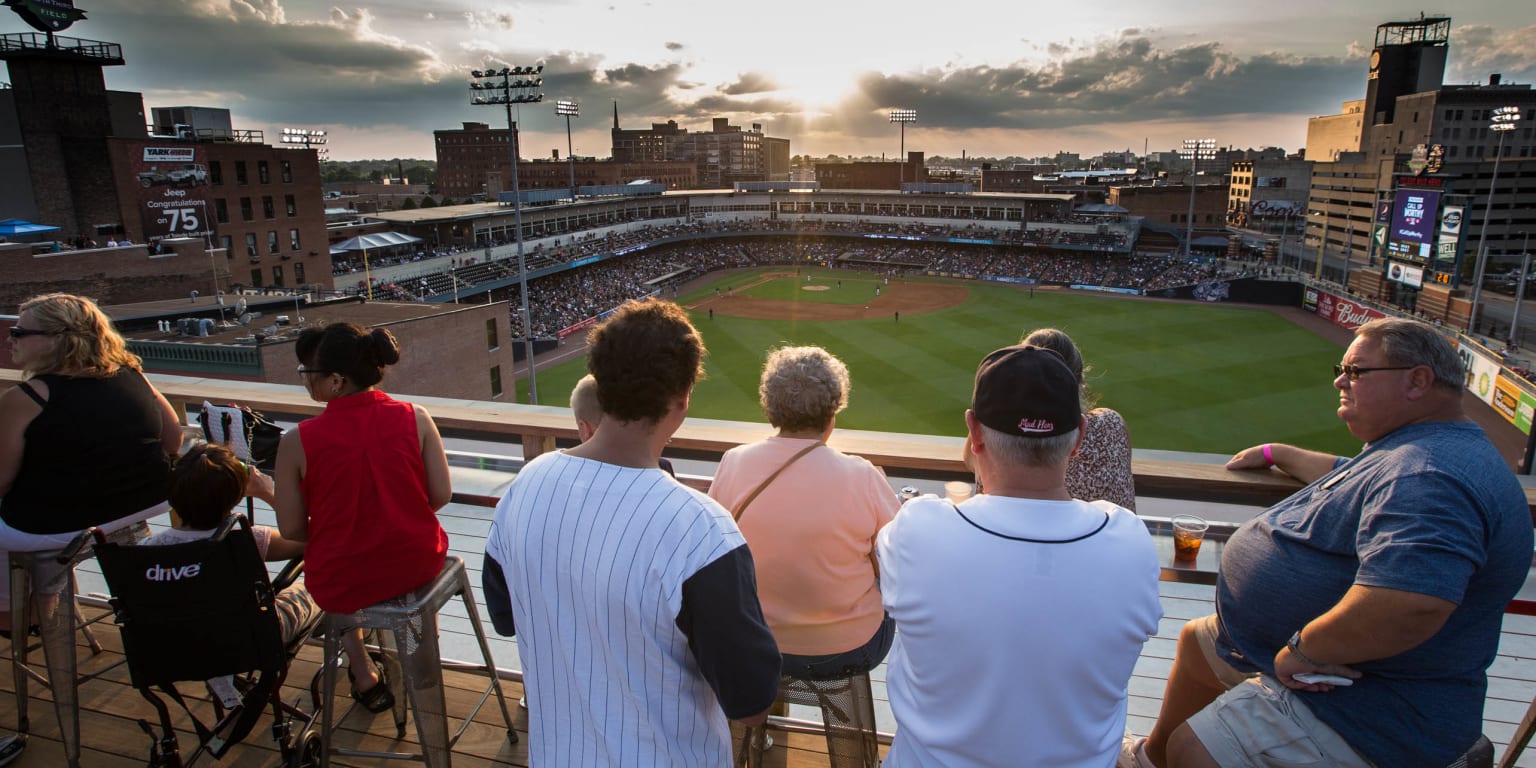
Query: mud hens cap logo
[1026,391]
[47,15]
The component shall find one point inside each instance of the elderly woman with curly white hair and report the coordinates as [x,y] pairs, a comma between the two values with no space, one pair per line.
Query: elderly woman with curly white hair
[810,514]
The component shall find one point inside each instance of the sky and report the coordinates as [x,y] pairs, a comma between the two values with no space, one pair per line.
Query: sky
[987,77]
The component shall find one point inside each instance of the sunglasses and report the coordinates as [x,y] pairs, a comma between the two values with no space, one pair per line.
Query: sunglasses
[1354,372]
[18,332]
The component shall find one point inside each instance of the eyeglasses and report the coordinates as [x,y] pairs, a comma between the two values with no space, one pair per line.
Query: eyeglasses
[305,371]
[1354,372]
[18,332]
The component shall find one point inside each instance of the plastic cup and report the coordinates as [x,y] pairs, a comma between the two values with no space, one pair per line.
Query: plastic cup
[1188,532]
[957,491]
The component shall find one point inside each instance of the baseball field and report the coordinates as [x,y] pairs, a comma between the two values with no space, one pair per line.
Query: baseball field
[1186,376]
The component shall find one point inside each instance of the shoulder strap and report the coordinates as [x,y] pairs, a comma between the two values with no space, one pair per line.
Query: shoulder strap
[26,387]
[741,508]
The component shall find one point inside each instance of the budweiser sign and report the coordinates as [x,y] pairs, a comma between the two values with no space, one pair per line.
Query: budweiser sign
[1344,312]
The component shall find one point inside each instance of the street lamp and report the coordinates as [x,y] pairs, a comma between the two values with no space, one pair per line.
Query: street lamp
[1504,120]
[516,85]
[1525,266]
[569,109]
[1194,151]
[902,117]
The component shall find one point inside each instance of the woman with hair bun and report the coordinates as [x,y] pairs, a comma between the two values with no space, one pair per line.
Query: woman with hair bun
[1101,468]
[361,483]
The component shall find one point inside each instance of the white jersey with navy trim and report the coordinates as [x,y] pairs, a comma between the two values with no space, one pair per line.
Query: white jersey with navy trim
[595,557]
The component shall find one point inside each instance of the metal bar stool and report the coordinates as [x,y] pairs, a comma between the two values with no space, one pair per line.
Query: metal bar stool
[409,633]
[847,715]
[45,582]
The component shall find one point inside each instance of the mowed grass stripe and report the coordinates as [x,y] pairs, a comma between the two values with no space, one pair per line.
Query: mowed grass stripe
[1194,377]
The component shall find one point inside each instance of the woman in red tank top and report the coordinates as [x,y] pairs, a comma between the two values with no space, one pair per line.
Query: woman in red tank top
[361,483]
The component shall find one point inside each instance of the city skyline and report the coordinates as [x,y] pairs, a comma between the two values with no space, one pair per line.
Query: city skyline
[1118,76]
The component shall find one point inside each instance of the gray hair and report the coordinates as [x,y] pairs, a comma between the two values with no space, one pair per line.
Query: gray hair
[803,387]
[1410,342]
[584,401]
[1030,451]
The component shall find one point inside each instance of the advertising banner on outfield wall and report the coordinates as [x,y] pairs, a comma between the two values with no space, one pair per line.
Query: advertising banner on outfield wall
[1344,312]
[1482,372]
[1507,401]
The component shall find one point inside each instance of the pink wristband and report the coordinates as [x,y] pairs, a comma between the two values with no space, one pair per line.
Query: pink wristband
[1269,457]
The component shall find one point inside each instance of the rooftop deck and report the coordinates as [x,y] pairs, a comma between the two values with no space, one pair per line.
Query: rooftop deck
[110,708]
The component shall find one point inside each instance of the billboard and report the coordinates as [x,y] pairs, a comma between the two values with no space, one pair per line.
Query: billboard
[1344,312]
[1410,276]
[1412,233]
[174,192]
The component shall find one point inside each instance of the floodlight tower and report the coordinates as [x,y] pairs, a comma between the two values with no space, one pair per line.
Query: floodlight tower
[902,117]
[569,109]
[307,138]
[508,86]
[1194,151]
[1504,120]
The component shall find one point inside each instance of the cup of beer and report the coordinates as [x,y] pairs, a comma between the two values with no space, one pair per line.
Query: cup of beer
[1188,532]
[957,491]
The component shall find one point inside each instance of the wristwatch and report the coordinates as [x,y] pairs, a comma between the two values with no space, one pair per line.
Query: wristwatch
[1294,644]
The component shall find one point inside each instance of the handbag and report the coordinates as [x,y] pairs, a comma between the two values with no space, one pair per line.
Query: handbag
[253,437]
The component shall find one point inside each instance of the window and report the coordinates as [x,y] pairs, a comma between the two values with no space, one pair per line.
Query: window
[263,173]
[490,335]
[250,248]
[245,209]
[285,170]
[495,381]
[216,173]
[298,272]
[293,239]
[225,244]
[277,276]
[272,246]
[221,210]
[267,211]
[240,172]
[290,205]
[256,277]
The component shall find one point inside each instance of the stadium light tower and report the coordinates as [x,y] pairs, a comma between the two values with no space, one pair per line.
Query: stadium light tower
[1525,267]
[1194,151]
[902,117]
[569,109]
[307,138]
[1504,120]
[508,86]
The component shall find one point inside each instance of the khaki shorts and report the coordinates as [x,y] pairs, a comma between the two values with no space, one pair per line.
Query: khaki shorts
[1260,723]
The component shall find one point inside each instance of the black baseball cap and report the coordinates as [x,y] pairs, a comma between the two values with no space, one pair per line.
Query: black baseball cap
[1027,391]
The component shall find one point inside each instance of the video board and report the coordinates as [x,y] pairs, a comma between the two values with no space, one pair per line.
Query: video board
[1412,234]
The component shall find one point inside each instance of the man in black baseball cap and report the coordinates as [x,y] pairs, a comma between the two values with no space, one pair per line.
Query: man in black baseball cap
[1020,612]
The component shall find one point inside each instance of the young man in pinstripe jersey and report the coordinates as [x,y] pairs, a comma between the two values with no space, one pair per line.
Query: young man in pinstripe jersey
[634,597]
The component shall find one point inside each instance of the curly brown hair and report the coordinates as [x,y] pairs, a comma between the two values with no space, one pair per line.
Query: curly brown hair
[644,358]
[87,345]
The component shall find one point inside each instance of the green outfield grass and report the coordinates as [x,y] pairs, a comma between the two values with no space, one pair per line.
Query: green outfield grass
[1187,377]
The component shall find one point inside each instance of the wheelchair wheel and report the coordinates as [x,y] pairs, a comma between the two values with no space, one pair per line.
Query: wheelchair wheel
[306,753]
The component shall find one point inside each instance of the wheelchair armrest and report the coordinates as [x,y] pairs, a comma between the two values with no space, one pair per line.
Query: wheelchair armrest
[290,573]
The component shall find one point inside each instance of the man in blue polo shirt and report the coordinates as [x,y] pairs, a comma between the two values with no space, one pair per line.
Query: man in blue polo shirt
[1389,571]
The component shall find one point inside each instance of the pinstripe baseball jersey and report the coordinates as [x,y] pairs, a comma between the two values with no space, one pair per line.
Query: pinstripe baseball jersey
[636,614]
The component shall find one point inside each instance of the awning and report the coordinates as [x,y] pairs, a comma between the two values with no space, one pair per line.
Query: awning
[373,241]
[20,228]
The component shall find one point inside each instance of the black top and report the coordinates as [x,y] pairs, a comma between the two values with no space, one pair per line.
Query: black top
[93,455]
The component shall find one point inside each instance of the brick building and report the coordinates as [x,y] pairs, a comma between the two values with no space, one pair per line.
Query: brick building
[446,350]
[881,174]
[475,159]
[721,156]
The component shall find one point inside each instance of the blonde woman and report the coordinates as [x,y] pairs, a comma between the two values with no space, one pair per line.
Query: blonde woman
[1101,468]
[810,514]
[85,440]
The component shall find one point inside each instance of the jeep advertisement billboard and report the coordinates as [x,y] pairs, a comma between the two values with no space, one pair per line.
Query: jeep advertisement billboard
[174,193]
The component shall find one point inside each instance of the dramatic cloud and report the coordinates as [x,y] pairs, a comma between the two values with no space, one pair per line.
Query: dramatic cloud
[1478,51]
[750,82]
[484,20]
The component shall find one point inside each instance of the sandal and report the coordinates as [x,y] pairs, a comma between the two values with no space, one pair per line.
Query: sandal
[378,698]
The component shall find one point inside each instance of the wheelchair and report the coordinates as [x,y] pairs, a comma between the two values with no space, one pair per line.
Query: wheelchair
[205,610]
